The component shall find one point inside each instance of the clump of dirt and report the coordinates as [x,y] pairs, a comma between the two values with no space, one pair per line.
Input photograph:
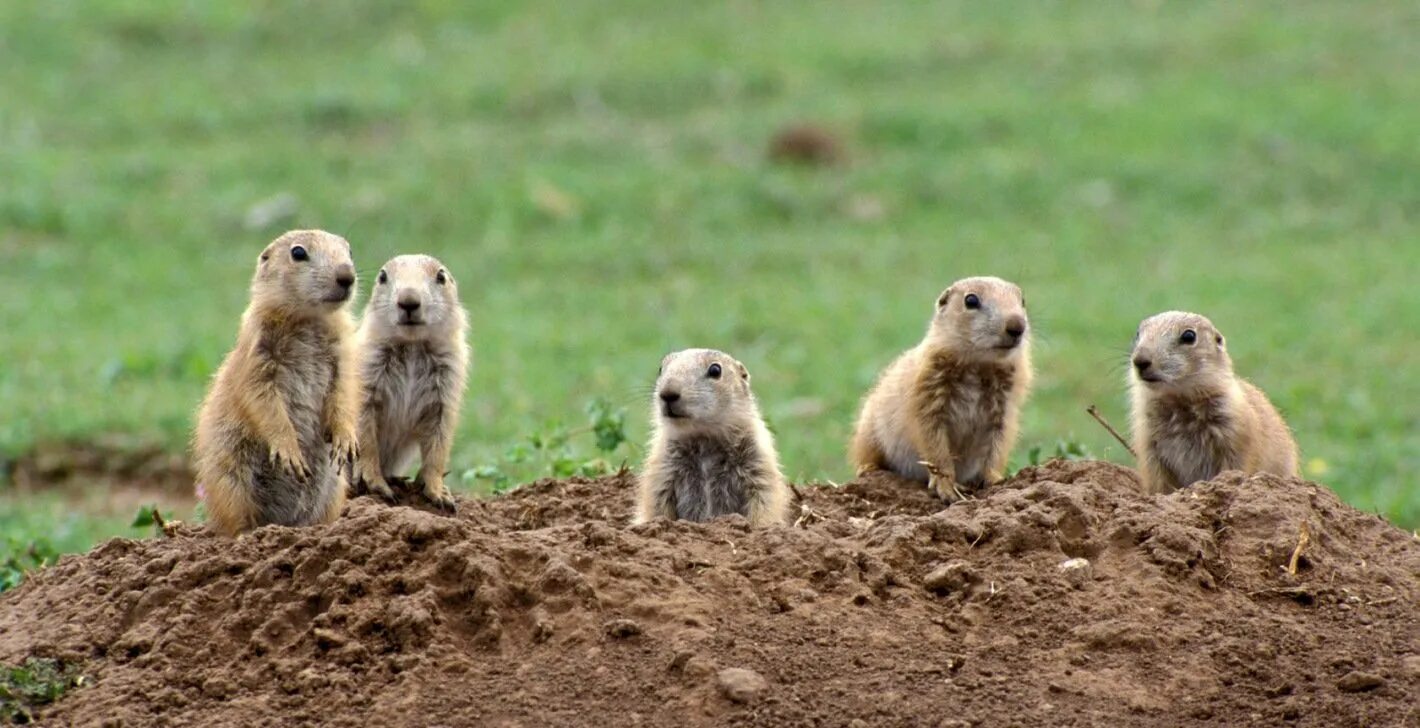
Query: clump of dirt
[1061,597]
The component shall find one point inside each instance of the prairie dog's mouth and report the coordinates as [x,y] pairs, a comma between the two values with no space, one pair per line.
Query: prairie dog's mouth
[669,412]
[1150,378]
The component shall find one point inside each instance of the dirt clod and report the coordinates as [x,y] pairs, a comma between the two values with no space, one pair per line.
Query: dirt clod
[947,578]
[544,607]
[1359,682]
[1077,571]
[622,628]
[741,685]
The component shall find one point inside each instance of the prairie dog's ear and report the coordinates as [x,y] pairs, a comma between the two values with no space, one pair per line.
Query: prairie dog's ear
[744,373]
[266,254]
[1219,338]
[946,296]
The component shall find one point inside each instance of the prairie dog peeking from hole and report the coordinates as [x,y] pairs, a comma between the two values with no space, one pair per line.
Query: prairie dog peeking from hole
[1191,416]
[710,454]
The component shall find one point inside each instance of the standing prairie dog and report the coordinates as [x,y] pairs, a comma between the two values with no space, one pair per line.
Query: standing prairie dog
[1192,417]
[954,400]
[413,344]
[710,453]
[277,429]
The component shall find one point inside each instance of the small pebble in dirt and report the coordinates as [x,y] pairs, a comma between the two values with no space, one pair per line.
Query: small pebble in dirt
[1359,682]
[947,578]
[1077,571]
[741,685]
[622,628]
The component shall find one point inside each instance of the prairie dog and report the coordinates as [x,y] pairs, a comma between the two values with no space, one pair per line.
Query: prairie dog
[413,347]
[954,400]
[710,453]
[1192,418]
[277,429]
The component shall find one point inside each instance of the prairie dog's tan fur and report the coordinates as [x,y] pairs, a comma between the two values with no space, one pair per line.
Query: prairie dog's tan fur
[413,345]
[954,400]
[710,453]
[277,428]
[1192,417]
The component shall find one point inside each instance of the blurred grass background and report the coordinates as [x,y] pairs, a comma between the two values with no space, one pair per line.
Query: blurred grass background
[595,175]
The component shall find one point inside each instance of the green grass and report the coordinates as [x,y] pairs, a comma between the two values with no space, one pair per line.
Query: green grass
[35,531]
[594,175]
[32,685]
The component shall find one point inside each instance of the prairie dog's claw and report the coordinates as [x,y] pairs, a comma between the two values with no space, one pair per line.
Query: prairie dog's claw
[943,484]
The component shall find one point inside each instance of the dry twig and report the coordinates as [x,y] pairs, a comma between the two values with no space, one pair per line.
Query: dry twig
[1303,538]
[1095,413]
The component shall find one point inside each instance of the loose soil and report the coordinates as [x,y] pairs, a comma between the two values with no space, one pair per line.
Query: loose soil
[879,607]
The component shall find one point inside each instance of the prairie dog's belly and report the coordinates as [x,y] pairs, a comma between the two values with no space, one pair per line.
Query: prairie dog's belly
[283,499]
[410,407]
[1187,459]
[704,499]
[710,478]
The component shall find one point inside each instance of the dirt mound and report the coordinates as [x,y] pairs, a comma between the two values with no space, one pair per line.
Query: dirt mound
[1062,597]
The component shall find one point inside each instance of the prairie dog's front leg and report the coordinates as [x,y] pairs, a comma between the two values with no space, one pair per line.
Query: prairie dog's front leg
[655,500]
[434,448]
[769,506]
[935,451]
[266,413]
[342,410]
[368,460]
[1157,478]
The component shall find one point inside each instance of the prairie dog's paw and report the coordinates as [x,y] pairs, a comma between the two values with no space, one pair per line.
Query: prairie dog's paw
[344,449]
[943,484]
[438,494]
[290,459]
[377,486]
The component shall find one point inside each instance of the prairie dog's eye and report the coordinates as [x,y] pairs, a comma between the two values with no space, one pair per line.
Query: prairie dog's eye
[441,278]
[1189,336]
[714,372]
[384,278]
[299,253]
[971,301]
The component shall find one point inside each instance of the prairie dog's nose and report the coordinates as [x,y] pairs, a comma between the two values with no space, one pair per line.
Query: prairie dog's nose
[1142,363]
[408,300]
[1016,327]
[345,276]
[668,396]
